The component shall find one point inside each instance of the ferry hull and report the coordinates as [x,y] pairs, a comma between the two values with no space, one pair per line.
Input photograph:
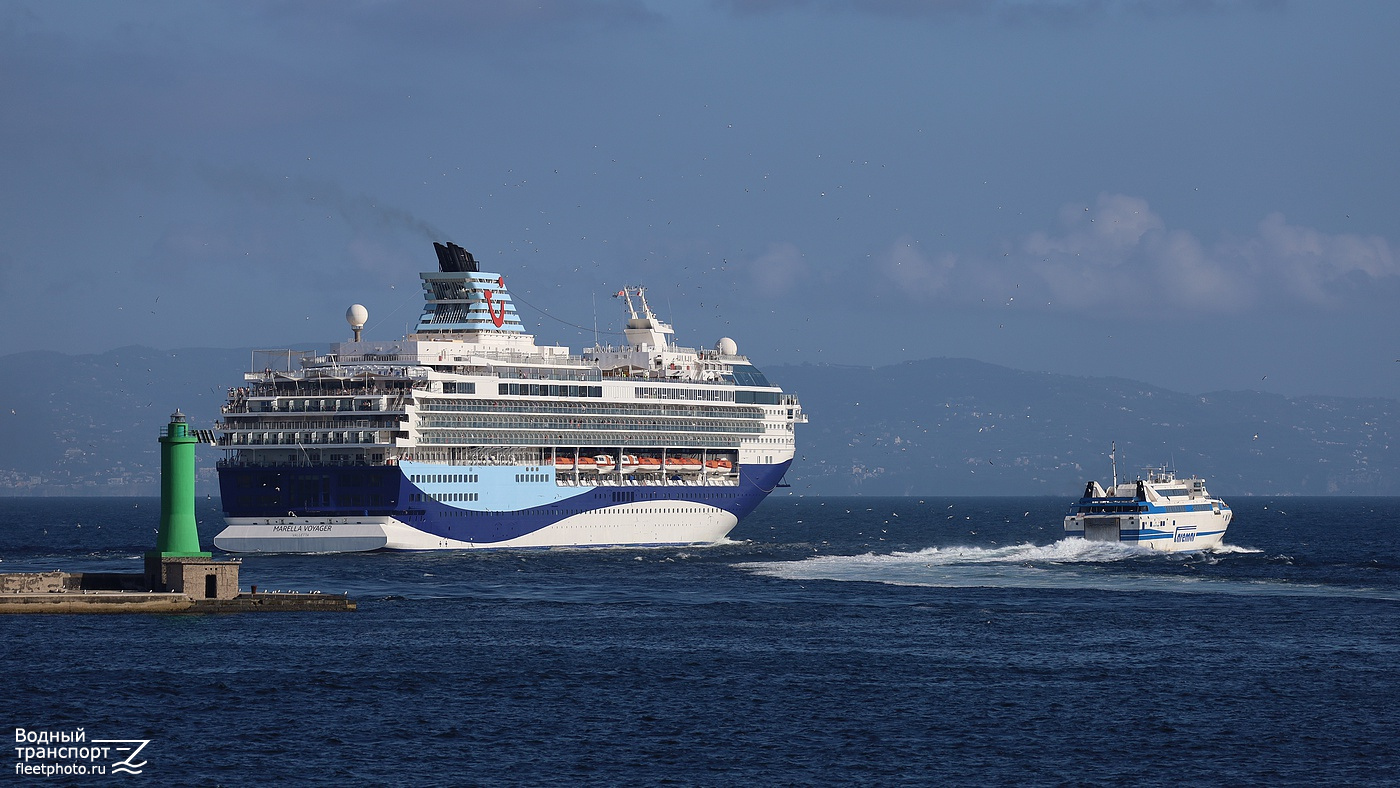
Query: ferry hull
[1161,534]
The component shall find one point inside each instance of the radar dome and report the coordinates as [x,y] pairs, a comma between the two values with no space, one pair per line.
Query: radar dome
[726,347]
[356,316]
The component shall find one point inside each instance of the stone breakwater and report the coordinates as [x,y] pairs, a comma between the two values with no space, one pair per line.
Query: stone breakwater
[71,592]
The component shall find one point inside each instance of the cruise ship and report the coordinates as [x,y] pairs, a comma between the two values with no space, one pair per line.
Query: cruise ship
[466,434]
[1156,510]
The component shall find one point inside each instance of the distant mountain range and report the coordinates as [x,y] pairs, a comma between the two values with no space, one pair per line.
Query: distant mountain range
[88,424]
[962,427]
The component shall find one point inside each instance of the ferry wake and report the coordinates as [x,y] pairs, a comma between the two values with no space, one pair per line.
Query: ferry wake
[467,434]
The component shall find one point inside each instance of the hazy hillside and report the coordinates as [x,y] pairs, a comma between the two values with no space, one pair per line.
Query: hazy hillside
[955,426]
[87,424]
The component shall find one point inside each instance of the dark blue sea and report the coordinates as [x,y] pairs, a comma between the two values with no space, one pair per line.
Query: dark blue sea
[862,641]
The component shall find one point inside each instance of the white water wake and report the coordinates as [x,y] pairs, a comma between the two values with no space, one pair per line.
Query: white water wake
[1066,564]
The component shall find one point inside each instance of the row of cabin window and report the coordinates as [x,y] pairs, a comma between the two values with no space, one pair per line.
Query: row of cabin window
[443,478]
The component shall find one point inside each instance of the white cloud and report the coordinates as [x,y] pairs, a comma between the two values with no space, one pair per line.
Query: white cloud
[1105,233]
[778,270]
[1193,278]
[920,277]
[1316,267]
[1119,254]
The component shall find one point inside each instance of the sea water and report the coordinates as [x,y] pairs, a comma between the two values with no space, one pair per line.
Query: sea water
[871,641]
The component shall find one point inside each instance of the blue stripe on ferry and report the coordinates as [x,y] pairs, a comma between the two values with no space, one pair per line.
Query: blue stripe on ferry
[1125,535]
[1146,535]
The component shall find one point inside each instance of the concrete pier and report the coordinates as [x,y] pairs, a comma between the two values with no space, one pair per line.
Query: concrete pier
[65,592]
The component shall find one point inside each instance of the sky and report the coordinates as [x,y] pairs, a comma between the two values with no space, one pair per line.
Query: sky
[1197,194]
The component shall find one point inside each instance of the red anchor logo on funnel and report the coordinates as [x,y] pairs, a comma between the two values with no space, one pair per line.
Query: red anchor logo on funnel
[490,310]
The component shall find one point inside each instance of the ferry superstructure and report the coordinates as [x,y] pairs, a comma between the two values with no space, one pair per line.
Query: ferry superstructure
[1156,510]
[467,434]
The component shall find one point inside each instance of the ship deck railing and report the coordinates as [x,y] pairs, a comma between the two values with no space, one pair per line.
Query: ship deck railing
[361,407]
[225,443]
[264,385]
[387,366]
[354,462]
[348,367]
[703,354]
[446,356]
[344,387]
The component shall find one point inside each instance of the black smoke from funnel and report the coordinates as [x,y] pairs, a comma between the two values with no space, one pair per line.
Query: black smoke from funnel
[359,211]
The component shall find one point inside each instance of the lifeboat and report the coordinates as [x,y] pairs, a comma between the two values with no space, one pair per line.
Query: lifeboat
[649,463]
[604,462]
[564,463]
[587,464]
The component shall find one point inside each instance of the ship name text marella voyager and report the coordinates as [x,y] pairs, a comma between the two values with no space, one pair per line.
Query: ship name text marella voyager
[466,434]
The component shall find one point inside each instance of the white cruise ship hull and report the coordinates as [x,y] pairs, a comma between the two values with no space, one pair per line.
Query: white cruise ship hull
[634,525]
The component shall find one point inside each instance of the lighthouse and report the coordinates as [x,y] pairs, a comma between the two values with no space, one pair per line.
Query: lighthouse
[177,564]
[179,535]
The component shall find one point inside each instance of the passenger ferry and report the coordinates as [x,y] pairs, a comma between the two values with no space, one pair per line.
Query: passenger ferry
[467,434]
[1156,510]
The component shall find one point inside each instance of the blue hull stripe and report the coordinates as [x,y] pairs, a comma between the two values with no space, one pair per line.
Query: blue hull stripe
[1145,536]
[368,491]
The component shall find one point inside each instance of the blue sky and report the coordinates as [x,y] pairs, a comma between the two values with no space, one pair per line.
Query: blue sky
[1199,194]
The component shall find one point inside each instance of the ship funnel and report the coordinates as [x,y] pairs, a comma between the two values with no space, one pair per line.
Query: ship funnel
[454,259]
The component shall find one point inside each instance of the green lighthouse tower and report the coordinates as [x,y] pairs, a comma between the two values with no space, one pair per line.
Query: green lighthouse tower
[179,536]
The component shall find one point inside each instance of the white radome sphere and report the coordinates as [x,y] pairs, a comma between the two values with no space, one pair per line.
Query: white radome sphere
[356,316]
[726,347]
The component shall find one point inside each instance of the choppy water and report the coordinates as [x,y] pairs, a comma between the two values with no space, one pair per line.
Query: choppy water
[833,641]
